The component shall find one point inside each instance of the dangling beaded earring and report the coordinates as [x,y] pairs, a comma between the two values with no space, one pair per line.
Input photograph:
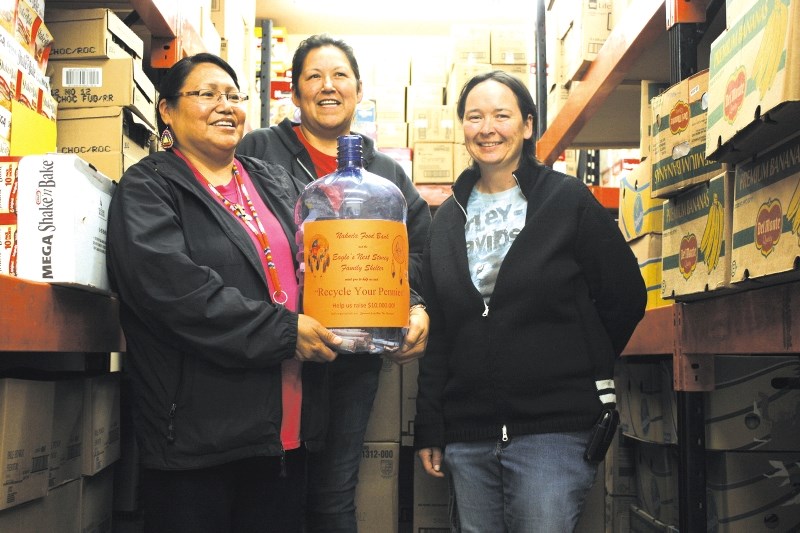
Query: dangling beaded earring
[167,140]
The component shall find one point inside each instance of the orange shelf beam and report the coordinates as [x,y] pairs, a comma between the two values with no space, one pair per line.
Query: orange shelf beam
[49,318]
[640,26]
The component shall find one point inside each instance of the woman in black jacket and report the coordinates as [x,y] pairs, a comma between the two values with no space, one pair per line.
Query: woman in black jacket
[228,389]
[327,87]
[532,293]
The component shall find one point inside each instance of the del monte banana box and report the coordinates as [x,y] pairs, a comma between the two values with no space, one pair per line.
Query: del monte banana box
[754,86]
[678,145]
[697,225]
[639,213]
[766,214]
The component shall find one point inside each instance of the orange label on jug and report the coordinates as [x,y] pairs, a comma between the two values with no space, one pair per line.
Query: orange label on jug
[356,273]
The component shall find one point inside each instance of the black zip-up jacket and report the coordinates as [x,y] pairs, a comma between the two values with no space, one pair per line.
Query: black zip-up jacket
[204,342]
[566,301]
[279,144]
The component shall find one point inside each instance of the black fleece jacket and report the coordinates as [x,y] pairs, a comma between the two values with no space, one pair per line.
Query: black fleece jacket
[566,301]
[204,342]
[279,144]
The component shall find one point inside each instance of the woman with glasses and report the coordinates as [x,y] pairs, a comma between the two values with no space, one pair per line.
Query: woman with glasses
[226,375]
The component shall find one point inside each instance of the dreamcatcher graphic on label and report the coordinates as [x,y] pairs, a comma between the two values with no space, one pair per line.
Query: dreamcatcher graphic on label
[319,258]
[399,257]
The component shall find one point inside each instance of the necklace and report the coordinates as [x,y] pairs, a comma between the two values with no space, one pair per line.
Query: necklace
[253,222]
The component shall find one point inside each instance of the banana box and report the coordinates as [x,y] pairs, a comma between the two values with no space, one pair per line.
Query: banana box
[754,86]
[647,250]
[694,255]
[657,472]
[750,491]
[678,145]
[766,214]
[639,212]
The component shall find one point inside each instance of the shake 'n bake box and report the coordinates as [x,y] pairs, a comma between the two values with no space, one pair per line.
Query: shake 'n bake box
[678,146]
[697,222]
[62,214]
[766,214]
[754,85]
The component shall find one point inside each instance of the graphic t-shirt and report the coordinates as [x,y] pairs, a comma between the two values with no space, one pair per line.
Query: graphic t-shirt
[493,222]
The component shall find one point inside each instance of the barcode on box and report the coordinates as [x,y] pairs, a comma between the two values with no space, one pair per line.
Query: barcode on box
[82,77]
[39,463]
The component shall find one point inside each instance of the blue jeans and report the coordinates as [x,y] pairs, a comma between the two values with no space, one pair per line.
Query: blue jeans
[531,484]
[333,473]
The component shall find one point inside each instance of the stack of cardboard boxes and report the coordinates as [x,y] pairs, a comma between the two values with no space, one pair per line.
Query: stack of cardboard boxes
[106,102]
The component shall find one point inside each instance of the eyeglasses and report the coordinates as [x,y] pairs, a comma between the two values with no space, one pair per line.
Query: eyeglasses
[209,96]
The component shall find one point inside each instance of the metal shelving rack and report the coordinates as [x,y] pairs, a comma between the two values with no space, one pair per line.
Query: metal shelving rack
[755,318]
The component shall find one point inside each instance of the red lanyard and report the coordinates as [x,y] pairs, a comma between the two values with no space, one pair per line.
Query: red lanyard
[279,296]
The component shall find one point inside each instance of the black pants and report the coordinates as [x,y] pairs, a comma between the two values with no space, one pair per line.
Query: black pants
[246,496]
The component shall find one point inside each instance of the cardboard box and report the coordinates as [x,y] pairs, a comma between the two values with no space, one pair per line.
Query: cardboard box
[695,245]
[588,26]
[8,244]
[109,138]
[639,212]
[523,72]
[377,505]
[433,501]
[57,511]
[471,43]
[647,250]
[650,89]
[104,83]
[8,184]
[408,401]
[390,103]
[8,80]
[640,401]
[62,218]
[460,74]
[433,163]
[657,467]
[97,500]
[461,159]
[752,491]
[393,135]
[91,33]
[620,467]
[26,424]
[432,124]
[618,513]
[432,67]
[678,148]
[384,420]
[422,95]
[512,44]
[766,214]
[753,405]
[754,85]
[66,449]
[32,33]
[101,422]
